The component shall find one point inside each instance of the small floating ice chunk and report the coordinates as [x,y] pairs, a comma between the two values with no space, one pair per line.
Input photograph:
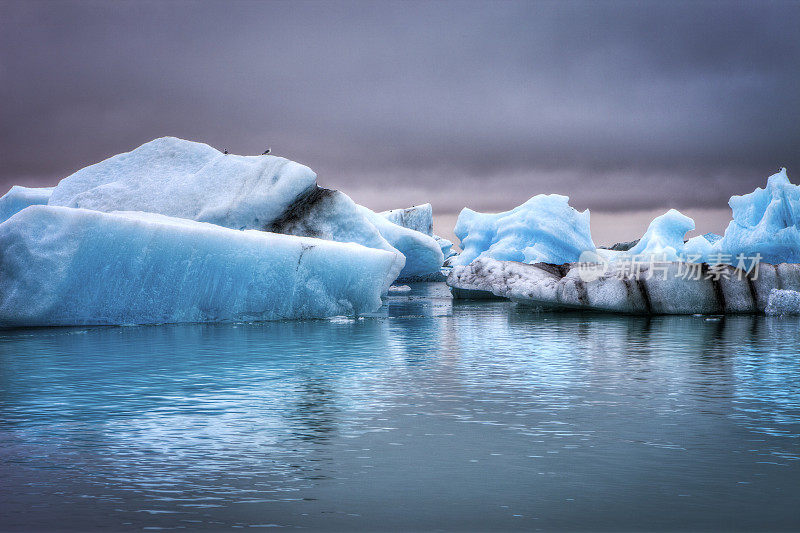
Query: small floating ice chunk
[399,289]
[783,302]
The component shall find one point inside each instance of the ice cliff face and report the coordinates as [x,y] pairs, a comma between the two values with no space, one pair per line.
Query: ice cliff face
[194,181]
[543,229]
[66,266]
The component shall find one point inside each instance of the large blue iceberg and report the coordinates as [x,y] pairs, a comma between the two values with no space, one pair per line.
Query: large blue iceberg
[765,222]
[65,266]
[544,229]
[194,181]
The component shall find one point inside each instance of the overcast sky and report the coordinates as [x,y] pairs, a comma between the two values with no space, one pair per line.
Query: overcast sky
[620,105]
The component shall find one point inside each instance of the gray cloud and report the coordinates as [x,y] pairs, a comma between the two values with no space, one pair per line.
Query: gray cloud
[619,105]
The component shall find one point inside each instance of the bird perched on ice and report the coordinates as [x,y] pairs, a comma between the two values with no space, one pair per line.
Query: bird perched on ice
[267,151]
[225,151]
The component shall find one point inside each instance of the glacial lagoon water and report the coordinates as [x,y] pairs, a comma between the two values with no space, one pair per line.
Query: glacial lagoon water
[429,415]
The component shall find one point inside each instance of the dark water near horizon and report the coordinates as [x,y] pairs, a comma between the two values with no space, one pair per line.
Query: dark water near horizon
[431,415]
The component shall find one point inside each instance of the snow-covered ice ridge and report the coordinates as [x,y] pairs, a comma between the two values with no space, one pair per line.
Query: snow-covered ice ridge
[67,266]
[667,291]
[195,181]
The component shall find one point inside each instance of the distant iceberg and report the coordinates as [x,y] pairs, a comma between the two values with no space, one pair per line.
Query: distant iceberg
[419,218]
[67,266]
[423,255]
[543,229]
[194,181]
[18,198]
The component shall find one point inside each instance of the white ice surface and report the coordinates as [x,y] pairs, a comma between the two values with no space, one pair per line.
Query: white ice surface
[189,180]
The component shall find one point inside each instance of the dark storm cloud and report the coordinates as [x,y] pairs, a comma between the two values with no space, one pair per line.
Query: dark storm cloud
[619,105]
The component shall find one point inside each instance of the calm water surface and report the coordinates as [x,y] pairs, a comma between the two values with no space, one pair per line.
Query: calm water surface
[432,414]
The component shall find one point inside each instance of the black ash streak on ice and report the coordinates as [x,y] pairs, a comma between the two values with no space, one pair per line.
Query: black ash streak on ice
[549,286]
[619,105]
[297,219]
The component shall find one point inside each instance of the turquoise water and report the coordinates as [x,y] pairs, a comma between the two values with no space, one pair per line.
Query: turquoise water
[431,414]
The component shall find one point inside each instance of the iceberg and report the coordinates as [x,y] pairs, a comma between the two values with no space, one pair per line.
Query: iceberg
[194,181]
[765,222]
[655,288]
[419,218]
[765,226]
[663,238]
[543,229]
[423,255]
[18,198]
[663,241]
[783,302]
[71,266]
